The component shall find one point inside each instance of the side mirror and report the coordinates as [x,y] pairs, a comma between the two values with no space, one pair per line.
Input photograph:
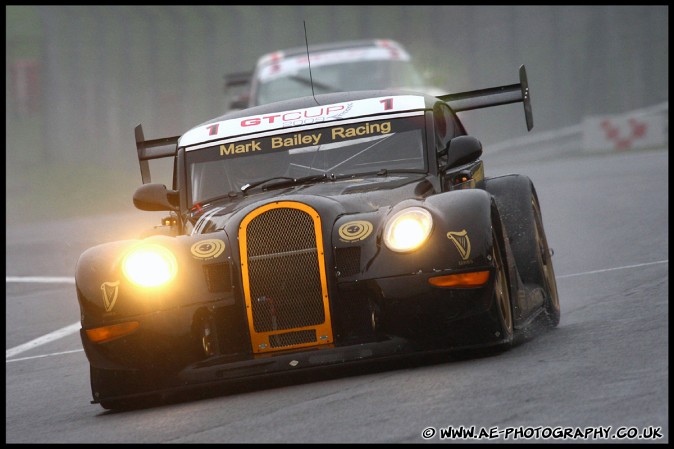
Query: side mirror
[462,150]
[155,197]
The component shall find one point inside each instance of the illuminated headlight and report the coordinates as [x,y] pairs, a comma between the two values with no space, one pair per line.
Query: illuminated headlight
[150,265]
[408,229]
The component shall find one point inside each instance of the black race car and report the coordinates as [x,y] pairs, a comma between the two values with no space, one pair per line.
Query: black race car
[312,232]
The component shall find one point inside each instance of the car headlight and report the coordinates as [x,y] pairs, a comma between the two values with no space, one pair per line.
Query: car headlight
[408,229]
[150,265]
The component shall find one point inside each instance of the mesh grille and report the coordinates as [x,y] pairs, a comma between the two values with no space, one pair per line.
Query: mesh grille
[218,277]
[285,284]
[292,338]
[348,260]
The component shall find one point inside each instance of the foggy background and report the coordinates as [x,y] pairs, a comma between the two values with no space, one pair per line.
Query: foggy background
[80,78]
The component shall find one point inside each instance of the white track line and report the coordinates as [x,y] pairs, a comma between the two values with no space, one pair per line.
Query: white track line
[612,269]
[75,327]
[41,280]
[63,332]
[45,355]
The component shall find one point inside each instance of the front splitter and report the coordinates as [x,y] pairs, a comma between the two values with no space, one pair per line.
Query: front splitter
[220,370]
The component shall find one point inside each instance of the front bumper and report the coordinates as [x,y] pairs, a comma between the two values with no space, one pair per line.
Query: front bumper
[167,352]
[130,385]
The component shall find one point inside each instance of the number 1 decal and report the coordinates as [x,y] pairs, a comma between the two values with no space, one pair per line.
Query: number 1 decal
[388,103]
[213,129]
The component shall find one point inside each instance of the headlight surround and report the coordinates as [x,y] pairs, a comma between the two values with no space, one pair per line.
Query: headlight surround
[408,229]
[150,265]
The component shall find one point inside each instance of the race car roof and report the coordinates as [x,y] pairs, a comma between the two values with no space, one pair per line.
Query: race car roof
[317,48]
[283,63]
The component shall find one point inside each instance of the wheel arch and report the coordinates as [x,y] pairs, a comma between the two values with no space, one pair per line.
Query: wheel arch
[512,275]
[517,200]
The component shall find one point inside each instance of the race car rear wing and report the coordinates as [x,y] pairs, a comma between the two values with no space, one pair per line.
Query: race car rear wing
[237,79]
[150,149]
[494,96]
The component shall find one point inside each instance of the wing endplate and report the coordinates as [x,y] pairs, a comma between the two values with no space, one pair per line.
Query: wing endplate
[152,149]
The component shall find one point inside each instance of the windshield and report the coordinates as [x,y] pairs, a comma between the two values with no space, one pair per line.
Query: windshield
[345,148]
[342,77]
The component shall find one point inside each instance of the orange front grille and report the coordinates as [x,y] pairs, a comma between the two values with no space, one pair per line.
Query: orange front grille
[284,280]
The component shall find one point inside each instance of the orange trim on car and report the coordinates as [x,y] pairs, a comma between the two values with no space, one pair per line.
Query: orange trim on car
[461,280]
[107,333]
[260,340]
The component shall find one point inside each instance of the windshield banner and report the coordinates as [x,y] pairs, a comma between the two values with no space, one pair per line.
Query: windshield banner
[314,137]
[308,116]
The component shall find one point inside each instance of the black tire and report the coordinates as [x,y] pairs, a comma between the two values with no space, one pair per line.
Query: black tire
[516,198]
[547,272]
[502,295]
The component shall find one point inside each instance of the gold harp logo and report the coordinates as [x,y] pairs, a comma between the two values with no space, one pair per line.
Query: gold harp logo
[355,230]
[462,243]
[110,291]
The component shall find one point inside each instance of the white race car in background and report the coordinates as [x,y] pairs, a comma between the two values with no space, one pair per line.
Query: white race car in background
[335,67]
